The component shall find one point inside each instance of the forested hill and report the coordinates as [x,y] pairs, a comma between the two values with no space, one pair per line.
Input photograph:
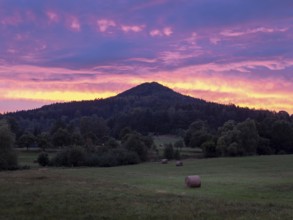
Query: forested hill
[149,107]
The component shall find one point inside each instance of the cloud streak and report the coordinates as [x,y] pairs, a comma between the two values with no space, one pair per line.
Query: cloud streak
[228,51]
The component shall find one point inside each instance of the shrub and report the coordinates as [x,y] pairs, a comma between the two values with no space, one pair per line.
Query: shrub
[73,156]
[116,157]
[169,151]
[8,157]
[43,159]
[209,149]
[135,143]
[177,155]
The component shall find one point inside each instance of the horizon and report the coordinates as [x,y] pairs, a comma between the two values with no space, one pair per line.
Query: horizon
[150,82]
[228,52]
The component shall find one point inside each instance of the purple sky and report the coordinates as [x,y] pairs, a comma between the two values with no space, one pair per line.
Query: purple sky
[227,51]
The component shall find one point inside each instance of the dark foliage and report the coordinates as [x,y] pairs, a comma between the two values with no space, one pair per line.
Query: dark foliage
[153,108]
[169,152]
[43,159]
[8,157]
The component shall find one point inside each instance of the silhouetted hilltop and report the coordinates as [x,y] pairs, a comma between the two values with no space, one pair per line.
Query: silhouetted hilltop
[149,107]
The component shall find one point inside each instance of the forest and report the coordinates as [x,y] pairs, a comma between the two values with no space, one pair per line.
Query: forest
[119,130]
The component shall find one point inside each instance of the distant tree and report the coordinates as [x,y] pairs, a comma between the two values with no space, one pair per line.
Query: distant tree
[43,141]
[169,151]
[77,139]
[134,142]
[177,155]
[112,143]
[8,157]
[238,139]
[282,136]
[43,159]
[209,149]
[124,132]
[27,140]
[95,128]
[179,144]
[61,138]
[248,136]
[197,134]
[264,147]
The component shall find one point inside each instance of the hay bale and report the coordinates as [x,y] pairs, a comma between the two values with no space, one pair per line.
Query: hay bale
[164,161]
[193,181]
[179,163]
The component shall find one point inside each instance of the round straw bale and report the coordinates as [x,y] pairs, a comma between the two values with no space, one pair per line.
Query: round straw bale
[193,181]
[164,161]
[179,163]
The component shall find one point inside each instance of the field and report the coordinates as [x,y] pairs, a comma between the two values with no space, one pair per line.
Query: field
[185,152]
[232,188]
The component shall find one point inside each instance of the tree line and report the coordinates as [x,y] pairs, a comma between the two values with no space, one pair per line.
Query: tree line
[148,110]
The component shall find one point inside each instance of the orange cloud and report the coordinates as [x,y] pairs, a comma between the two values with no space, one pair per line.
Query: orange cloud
[209,82]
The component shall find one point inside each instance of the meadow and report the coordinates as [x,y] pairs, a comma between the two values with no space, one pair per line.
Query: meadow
[259,187]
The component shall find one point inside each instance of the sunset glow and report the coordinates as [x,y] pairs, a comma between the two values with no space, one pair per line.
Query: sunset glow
[229,51]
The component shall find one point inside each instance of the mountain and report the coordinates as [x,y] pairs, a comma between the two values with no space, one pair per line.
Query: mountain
[149,89]
[149,107]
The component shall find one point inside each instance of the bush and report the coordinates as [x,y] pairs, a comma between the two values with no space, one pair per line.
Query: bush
[169,151]
[116,157]
[43,159]
[135,143]
[103,157]
[73,156]
[209,149]
[177,155]
[8,157]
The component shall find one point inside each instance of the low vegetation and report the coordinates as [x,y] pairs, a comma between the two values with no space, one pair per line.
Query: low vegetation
[232,188]
[8,157]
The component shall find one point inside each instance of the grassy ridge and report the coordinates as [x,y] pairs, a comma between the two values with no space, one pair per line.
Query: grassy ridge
[232,188]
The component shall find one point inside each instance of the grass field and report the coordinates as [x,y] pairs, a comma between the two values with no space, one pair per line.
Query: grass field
[232,188]
[185,152]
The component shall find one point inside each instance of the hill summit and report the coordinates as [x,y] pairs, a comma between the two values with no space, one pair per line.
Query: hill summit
[148,89]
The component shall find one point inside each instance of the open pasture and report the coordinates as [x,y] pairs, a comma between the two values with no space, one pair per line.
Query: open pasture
[232,188]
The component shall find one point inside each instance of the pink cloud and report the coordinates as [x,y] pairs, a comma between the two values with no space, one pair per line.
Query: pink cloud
[234,33]
[155,32]
[74,24]
[52,16]
[134,28]
[104,24]
[19,82]
[12,20]
[167,31]
[214,40]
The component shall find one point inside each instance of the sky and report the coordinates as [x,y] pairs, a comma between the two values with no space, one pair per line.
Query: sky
[224,51]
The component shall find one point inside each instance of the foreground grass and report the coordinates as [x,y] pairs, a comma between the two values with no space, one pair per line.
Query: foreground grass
[232,188]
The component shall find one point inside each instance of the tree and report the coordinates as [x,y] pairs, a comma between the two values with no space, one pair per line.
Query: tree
[179,144]
[27,140]
[43,141]
[8,157]
[61,138]
[134,142]
[94,127]
[43,159]
[238,139]
[248,136]
[282,136]
[197,134]
[169,151]
[209,149]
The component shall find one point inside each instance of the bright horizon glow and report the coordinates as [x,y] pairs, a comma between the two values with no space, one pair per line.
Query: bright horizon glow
[229,52]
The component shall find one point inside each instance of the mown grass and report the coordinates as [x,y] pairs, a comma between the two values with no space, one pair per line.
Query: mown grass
[185,152]
[232,188]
